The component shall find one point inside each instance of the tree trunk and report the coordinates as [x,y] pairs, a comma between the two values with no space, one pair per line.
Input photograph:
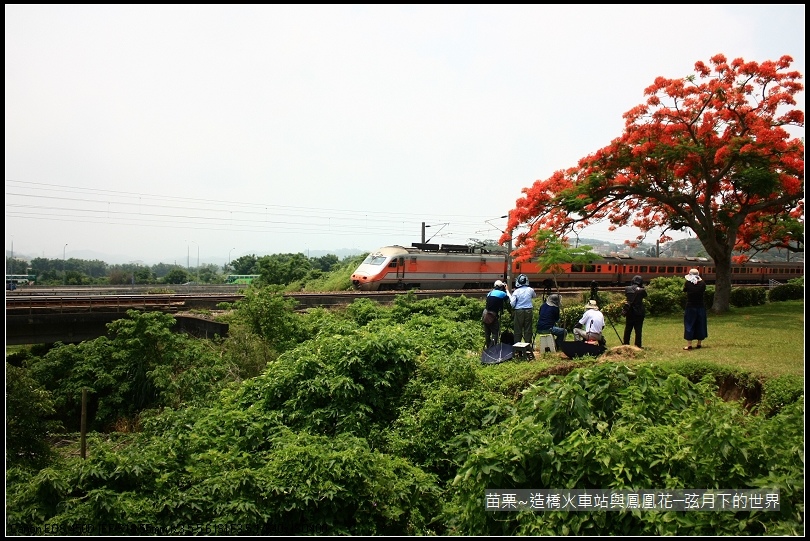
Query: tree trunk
[722,286]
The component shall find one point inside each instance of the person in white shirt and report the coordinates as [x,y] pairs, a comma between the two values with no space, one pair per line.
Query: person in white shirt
[523,315]
[591,324]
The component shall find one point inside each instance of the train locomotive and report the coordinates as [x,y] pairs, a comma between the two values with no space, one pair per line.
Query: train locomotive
[454,266]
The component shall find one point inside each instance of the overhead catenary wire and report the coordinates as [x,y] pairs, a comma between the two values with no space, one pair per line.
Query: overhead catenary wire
[60,203]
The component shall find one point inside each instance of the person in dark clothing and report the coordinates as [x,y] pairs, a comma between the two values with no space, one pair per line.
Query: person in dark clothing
[695,323]
[496,301]
[635,294]
[548,318]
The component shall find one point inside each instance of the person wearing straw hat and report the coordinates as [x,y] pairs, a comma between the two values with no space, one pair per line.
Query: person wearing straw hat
[589,328]
[695,323]
[549,317]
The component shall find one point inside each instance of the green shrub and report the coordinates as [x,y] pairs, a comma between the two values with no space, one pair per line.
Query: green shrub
[364,310]
[142,364]
[613,427]
[336,383]
[29,419]
[271,316]
[382,421]
[786,292]
[748,296]
[779,392]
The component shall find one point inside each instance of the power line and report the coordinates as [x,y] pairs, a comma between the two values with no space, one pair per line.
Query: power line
[132,209]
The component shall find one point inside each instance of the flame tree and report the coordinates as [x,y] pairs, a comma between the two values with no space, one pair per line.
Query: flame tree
[709,152]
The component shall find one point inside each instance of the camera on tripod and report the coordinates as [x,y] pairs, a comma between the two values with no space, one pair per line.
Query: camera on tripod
[594,291]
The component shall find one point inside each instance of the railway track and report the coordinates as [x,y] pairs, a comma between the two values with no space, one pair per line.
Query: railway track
[74,301]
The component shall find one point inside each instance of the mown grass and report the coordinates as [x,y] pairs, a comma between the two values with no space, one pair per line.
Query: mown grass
[766,341]
[763,341]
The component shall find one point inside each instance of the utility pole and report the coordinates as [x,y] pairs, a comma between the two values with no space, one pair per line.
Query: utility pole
[63,263]
[509,254]
[198,260]
[508,260]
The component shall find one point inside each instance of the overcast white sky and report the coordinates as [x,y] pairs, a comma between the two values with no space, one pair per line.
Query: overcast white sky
[168,133]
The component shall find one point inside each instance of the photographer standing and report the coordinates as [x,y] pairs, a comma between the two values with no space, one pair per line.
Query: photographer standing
[523,315]
[491,317]
[635,294]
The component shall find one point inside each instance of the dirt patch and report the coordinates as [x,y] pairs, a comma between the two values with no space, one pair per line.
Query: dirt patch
[728,388]
[623,352]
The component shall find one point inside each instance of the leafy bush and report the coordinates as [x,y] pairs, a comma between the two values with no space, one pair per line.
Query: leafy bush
[271,316]
[435,334]
[779,392]
[443,404]
[786,292]
[363,311]
[432,431]
[246,353]
[613,427]
[338,278]
[382,421]
[201,474]
[29,411]
[142,365]
[453,308]
[748,296]
[336,383]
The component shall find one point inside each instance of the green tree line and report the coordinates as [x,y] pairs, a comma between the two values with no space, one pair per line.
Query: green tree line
[295,270]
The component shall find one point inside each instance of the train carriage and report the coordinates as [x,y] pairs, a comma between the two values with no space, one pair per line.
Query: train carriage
[428,266]
[450,266]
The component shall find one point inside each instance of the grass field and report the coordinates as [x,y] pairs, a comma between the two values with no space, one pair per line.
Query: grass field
[764,341]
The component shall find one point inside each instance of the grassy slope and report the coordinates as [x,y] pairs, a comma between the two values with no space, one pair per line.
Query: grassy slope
[765,341]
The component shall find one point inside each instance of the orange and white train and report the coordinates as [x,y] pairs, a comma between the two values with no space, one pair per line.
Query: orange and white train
[453,266]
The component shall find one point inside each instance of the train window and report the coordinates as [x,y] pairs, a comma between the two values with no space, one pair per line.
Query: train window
[576,268]
[393,263]
[670,270]
[643,268]
[374,259]
[590,268]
